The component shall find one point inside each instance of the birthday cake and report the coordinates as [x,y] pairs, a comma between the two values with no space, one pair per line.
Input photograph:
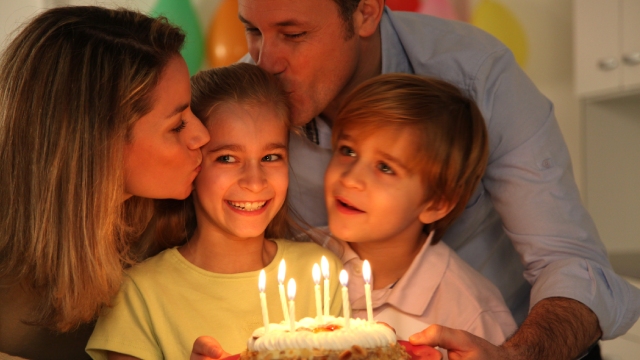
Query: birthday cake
[327,340]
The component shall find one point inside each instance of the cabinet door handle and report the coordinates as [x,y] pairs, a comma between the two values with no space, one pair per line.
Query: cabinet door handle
[608,64]
[632,58]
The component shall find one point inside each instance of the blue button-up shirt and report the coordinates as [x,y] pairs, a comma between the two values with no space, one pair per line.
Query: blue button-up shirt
[525,227]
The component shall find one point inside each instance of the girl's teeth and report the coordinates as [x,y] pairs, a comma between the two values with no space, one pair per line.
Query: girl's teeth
[248,206]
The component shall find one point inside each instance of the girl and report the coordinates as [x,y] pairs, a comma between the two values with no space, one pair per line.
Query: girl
[94,122]
[209,286]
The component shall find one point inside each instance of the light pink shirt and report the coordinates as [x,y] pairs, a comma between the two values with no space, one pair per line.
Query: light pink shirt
[438,288]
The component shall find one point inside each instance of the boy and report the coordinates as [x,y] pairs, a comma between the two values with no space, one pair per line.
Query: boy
[409,152]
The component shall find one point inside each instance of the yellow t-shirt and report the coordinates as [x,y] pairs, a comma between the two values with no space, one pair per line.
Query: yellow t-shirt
[166,303]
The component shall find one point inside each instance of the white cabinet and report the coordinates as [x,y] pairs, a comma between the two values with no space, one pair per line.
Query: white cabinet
[607,78]
[606,46]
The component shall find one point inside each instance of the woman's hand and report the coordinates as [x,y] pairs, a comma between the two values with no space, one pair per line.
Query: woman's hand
[207,348]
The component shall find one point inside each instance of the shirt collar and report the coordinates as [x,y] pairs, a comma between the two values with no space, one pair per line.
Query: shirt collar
[413,292]
[394,57]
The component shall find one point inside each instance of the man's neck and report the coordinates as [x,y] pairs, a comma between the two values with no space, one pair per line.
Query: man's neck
[369,66]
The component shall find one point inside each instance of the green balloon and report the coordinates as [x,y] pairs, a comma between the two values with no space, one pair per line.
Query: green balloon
[181,13]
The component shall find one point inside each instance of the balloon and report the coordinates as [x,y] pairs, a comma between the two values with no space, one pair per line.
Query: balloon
[499,21]
[403,5]
[439,8]
[226,41]
[181,13]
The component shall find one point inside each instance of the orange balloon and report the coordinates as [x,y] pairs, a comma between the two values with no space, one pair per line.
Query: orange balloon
[226,41]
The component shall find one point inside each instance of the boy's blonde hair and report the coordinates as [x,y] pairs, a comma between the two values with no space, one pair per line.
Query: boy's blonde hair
[243,84]
[451,136]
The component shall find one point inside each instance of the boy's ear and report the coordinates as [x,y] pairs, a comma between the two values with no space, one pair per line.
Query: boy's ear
[367,17]
[434,211]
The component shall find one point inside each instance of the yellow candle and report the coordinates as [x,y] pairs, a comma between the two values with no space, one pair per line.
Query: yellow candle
[325,273]
[282,269]
[366,274]
[291,292]
[316,279]
[346,307]
[262,280]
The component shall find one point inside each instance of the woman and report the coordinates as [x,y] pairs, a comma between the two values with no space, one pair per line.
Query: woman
[94,122]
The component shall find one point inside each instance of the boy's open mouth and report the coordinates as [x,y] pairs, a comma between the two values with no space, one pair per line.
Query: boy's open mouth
[246,205]
[344,204]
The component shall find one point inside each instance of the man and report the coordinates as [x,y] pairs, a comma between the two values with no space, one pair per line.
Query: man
[527,209]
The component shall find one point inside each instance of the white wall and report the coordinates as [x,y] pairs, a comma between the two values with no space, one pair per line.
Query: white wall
[548,25]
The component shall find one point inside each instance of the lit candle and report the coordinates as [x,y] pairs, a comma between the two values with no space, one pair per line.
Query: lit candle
[346,312]
[291,292]
[316,279]
[366,274]
[282,269]
[262,280]
[325,273]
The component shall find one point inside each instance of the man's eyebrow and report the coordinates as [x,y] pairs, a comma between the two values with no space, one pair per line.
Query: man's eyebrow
[283,23]
[178,110]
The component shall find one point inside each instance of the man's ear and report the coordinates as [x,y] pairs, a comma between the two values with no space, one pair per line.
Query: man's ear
[367,17]
[434,211]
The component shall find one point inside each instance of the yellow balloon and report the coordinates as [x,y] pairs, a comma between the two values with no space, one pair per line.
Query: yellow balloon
[226,41]
[498,20]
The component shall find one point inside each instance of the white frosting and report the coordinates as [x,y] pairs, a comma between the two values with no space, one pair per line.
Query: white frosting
[361,332]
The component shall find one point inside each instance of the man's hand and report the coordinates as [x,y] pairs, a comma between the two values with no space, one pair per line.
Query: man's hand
[207,348]
[556,328]
[459,344]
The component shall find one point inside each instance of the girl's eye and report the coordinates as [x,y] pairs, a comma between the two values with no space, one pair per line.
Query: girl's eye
[385,168]
[226,159]
[180,127]
[346,151]
[272,157]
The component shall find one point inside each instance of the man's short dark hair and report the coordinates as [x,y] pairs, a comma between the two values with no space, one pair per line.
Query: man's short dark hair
[346,9]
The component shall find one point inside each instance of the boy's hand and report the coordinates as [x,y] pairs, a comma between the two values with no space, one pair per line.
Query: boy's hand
[460,344]
[206,348]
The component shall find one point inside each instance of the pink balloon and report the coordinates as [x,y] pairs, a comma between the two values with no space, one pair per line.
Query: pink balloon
[439,8]
[403,5]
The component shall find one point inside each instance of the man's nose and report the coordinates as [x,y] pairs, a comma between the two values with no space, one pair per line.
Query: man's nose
[271,56]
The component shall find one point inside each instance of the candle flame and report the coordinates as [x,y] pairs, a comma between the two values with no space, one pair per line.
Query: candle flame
[366,272]
[344,278]
[262,281]
[282,269]
[325,267]
[316,273]
[291,289]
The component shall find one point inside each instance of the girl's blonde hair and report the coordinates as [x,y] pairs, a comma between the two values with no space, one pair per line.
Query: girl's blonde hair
[451,138]
[72,84]
[243,84]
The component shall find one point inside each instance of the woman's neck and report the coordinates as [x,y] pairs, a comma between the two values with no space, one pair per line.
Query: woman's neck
[389,259]
[218,253]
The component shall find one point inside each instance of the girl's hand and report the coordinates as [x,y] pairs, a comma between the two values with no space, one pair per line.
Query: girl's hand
[207,348]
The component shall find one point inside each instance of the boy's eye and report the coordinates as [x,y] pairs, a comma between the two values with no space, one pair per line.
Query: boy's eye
[346,151]
[180,126]
[226,159]
[272,157]
[385,168]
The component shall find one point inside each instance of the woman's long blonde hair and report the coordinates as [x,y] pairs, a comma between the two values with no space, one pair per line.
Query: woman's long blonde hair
[72,84]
